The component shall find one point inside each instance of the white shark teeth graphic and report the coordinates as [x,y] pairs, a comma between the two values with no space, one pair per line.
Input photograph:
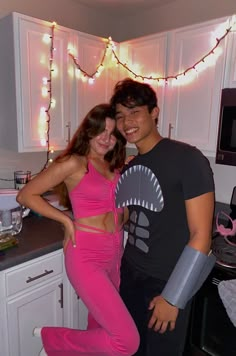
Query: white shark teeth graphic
[138,185]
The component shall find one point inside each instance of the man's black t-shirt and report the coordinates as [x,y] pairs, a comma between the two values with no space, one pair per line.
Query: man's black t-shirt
[160,182]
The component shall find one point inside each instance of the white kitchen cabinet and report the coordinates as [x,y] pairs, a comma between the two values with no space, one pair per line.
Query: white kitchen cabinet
[89,51]
[26,53]
[147,56]
[34,294]
[31,295]
[230,67]
[75,312]
[192,109]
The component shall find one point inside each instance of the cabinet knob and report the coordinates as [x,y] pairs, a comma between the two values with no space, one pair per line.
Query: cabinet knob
[61,300]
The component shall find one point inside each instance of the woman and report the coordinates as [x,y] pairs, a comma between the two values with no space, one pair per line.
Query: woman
[89,170]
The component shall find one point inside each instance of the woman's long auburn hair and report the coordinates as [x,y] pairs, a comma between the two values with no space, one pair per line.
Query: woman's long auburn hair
[92,125]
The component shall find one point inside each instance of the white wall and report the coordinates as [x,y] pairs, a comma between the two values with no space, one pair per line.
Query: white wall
[176,14]
[65,12]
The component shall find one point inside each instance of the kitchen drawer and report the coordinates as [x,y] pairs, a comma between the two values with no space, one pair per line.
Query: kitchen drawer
[33,272]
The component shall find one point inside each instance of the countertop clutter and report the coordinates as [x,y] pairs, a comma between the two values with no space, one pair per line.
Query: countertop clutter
[39,236]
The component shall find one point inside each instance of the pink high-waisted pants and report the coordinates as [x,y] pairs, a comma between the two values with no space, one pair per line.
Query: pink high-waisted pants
[93,268]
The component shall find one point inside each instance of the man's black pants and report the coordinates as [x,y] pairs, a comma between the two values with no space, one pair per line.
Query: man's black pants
[137,290]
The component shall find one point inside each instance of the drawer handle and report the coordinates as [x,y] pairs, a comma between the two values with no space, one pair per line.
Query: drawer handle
[61,301]
[31,279]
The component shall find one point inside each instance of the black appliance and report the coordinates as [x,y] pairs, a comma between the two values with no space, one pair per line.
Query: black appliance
[211,332]
[226,143]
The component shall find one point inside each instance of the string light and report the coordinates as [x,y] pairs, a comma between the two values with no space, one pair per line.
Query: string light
[85,75]
[51,101]
[180,78]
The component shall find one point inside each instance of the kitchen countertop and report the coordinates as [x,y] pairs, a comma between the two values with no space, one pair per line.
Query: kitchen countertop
[39,236]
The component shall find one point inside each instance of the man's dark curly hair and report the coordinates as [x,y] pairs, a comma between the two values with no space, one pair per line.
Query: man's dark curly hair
[130,93]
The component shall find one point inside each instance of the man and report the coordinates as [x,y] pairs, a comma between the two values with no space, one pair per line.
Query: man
[169,190]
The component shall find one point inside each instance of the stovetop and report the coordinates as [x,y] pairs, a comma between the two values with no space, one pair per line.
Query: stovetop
[224,248]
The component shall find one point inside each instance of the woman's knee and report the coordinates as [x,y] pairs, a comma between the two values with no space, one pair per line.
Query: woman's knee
[130,343]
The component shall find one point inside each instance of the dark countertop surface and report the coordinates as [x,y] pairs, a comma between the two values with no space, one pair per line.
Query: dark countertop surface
[38,237]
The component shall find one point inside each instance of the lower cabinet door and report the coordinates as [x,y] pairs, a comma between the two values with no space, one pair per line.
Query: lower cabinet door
[36,308]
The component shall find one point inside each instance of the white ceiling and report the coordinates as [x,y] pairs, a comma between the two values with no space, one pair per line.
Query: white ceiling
[123,6]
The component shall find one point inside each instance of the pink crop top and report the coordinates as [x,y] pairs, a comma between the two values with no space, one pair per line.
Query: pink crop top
[94,194]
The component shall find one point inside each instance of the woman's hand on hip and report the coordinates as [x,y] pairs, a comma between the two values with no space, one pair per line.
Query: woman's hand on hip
[69,234]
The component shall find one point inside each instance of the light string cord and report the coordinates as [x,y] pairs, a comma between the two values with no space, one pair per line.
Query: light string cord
[49,104]
[144,77]
[98,66]
[50,96]
[124,65]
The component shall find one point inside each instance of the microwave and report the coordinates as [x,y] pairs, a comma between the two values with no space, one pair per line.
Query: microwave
[226,141]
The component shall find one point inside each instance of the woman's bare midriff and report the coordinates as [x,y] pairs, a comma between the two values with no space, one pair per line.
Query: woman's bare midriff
[103,222]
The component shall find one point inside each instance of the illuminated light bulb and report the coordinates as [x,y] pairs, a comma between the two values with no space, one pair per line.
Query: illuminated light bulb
[43,142]
[161,82]
[52,150]
[46,38]
[174,82]
[42,111]
[181,79]
[91,80]
[113,46]
[43,59]
[97,74]
[78,73]
[71,71]
[192,73]
[101,68]
[201,66]
[210,60]
[84,78]
[54,70]
[45,80]
[218,51]
[54,23]
[53,103]
[50,160]
[110,42]
[71,50]
[44,91]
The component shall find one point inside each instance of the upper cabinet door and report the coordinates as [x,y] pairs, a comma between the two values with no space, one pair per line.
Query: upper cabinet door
[147,56]
[230,68]
[29,104]
[88,92]
[192,108]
